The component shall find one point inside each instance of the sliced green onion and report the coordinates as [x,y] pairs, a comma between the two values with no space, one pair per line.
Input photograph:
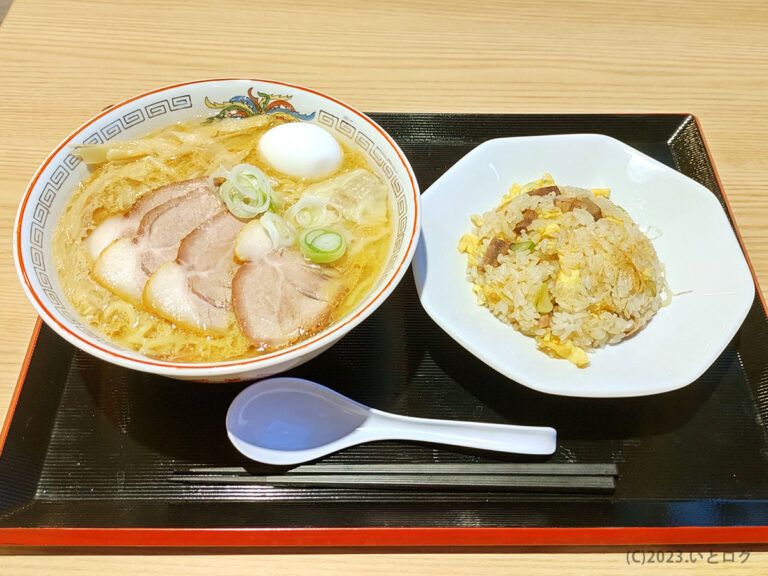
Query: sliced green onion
[543,302]
[280,232]
[522,246]
[247,191]
[322,245]
[277,204]
[239,204]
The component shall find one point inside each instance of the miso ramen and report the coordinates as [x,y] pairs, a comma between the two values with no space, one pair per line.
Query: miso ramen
[215,240]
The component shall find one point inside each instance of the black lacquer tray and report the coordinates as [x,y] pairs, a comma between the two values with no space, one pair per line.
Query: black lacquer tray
[93,452]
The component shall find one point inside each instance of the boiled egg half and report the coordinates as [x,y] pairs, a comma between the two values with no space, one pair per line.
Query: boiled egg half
[301,149]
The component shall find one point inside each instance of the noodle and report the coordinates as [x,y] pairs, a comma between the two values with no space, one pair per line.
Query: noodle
[179,152]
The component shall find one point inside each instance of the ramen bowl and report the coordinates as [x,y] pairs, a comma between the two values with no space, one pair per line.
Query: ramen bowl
[58,178]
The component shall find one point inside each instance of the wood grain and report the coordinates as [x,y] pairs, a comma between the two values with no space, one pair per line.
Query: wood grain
[451,563]
[63,60]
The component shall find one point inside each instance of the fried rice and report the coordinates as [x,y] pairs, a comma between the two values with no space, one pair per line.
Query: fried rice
[566,266]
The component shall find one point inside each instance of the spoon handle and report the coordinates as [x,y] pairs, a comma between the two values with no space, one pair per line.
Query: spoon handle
[497,437]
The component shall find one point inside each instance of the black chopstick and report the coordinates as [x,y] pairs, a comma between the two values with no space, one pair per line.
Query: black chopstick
[484,482]
[509,477]
[554,469]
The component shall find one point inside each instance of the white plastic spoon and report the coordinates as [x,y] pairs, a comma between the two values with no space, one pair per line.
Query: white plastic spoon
[290,420]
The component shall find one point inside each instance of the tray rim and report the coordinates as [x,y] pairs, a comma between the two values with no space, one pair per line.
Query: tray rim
[401,537]
[376,537]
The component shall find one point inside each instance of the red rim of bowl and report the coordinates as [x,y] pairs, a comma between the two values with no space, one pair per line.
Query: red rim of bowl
[232,366]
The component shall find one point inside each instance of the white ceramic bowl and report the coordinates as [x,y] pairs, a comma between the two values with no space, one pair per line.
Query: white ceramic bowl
[697,245]
[52,185]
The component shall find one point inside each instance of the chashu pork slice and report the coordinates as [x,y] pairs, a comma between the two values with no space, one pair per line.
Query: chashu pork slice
[127,263]
[280,297]
[123,225]
[195,290]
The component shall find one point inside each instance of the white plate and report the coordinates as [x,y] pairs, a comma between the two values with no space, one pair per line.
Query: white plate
[697,245]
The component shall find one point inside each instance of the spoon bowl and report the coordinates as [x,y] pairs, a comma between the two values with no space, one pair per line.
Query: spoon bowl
[287,421]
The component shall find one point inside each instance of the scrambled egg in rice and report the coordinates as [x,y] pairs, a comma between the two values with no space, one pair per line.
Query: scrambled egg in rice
[566,266]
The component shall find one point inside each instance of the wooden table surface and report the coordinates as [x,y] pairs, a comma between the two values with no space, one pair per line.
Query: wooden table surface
[61,61]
